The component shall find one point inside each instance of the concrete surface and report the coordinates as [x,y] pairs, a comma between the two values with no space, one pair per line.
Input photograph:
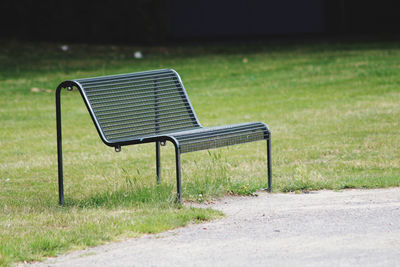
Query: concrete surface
[325,228]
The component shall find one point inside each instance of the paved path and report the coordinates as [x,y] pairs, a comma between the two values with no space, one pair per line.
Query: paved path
[326,228]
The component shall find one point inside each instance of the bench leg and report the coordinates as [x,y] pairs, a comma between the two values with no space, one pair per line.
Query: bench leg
[269,164]
[178,174]
[158,162]
[59,148]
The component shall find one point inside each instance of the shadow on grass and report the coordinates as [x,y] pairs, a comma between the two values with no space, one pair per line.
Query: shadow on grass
[130,196]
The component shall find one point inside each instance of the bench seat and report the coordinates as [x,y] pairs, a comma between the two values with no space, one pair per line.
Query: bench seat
[220,136]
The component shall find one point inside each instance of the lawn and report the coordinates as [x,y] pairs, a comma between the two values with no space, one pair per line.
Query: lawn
[333,110]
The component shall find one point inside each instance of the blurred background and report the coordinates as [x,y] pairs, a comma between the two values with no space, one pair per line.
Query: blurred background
[159,22]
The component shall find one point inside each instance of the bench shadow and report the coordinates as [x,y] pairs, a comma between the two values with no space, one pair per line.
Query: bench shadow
[132,196]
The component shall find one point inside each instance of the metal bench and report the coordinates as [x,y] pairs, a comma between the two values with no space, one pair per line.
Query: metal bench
[152,106]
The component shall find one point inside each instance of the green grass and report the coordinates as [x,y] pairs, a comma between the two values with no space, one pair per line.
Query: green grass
[333,110]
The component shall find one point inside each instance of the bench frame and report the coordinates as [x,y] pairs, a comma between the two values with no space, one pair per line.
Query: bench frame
[159,140]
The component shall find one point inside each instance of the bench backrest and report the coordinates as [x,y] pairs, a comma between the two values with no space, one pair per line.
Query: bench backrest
[132,106]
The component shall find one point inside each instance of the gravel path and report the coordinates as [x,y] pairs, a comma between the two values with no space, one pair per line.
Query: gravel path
[325,228]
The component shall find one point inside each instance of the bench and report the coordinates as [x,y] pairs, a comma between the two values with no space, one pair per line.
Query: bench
[152,106]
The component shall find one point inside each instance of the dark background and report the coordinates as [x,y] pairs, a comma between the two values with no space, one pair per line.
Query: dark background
[156,22]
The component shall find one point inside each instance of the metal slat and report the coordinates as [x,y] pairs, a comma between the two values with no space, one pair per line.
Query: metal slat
[147,116]
[189,138]
[216,142]
[142,126]
[152,129]
[130,109]
[206,145]
[132,85]
[107,125]
[115,91]
[141,105]
[210,131]
[135,124]
[222,137]
[149,96]
[133,114]
[222,129]
[122,77]
[126,81]
[118,78]
[171,128]
[138,108]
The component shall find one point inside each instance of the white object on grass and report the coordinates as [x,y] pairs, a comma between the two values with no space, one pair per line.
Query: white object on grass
[138,55]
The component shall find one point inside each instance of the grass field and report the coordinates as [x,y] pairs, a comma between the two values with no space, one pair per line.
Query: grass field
[333,110]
